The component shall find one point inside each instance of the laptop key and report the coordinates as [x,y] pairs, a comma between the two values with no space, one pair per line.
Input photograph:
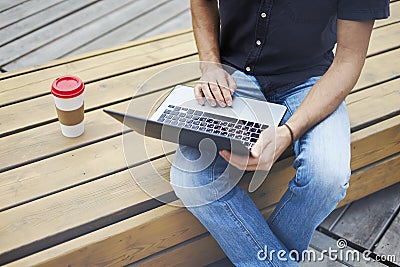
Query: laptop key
[198,113]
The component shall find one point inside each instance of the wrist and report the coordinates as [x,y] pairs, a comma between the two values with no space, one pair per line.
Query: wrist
[210,65]
[283,133]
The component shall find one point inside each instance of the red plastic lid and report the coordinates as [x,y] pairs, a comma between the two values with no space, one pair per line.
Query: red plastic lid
[67,87]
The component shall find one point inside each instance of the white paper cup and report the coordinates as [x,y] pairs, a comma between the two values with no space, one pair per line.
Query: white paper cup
[68,93]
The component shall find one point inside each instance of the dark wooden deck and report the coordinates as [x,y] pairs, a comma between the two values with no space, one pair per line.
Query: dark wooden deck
[33,32]
[36,31]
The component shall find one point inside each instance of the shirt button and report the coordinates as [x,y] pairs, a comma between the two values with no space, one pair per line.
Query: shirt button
[263,15]
[248,69]
[258,42]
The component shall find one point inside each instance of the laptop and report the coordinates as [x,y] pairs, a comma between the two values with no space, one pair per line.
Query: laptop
[181,120]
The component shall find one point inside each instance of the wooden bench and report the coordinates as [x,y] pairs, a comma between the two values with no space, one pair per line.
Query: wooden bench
[73,201]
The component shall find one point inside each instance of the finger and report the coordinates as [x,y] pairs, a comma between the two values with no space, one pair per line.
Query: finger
[231,83]
[198,94]
[217,94]
[263,141]
[207,93]
[239,162]
[226,93]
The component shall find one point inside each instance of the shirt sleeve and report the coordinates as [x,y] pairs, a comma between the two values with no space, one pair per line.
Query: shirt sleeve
[363,9]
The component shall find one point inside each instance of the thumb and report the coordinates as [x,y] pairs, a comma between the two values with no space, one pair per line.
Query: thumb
[256,149]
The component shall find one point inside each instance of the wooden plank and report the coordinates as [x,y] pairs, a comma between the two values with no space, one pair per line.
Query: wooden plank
[384,39]
[138,24]
[322,260]
[4,5]
[23,10]
[376,69]
[373,178]
[376,102]
[93,68]
[390,242]
[221,263]
[115,245]
[85,35]
[335,215]
[91,54]
[364,220]
[394,16]
[181,21]
[47,177]
[375,142]
[73,213]
[206,250]
[55,30]
[29,24]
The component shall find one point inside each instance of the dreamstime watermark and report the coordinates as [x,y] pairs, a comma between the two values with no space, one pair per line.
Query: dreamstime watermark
[341,253]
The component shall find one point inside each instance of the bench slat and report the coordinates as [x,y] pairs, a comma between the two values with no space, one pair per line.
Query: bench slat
[97,69]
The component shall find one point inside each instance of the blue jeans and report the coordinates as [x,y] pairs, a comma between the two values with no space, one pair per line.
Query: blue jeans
[322,166]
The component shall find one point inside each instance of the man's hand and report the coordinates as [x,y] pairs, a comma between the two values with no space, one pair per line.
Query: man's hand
[216,85]
[265,151]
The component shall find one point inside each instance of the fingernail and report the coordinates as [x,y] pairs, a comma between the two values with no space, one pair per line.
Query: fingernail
[212,103]
[222,104]
[229,103]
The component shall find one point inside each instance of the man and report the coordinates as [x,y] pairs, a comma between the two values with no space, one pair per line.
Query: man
[282,51]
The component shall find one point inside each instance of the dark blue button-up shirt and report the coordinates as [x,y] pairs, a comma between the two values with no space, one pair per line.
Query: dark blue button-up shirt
[285,42]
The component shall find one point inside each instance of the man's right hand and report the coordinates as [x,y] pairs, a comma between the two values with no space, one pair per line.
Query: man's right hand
[216,86]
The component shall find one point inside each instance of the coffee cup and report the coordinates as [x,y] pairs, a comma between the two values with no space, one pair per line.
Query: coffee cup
[68,92]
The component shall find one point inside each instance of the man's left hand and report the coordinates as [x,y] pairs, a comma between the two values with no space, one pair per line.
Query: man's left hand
[264,152]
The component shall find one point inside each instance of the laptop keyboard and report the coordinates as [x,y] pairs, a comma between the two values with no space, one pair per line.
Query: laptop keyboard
[244,131]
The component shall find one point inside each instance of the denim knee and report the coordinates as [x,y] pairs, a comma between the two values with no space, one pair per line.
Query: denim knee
[200,179]
[326,179]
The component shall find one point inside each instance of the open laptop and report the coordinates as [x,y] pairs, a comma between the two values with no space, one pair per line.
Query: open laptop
[180,119]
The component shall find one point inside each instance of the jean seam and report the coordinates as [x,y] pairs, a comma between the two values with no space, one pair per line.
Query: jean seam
[246,230]
[211,179]
[281,208]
